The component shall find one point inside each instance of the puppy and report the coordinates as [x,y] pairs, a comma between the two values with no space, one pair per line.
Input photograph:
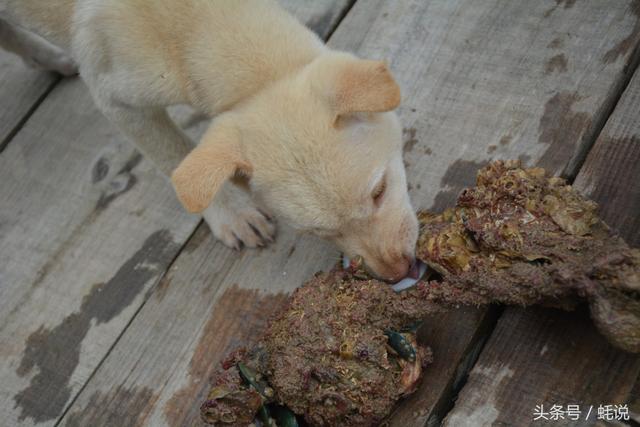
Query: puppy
[301,131]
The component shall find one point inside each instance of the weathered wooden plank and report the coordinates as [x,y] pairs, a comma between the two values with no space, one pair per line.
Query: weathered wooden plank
[547,357]
[87,227]
[476,87]
[611,173]
[543,357]
[457,346]
[21,89]
[197,316]
[479,78]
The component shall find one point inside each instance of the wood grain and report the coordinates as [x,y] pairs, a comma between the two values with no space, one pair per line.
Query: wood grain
[197,316]
[87,228]
[21,89]
[549,357]
[611,173]
[475,87]
[543,357]
[473,76]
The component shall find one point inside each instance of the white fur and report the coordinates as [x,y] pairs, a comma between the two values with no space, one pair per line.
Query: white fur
[299,128]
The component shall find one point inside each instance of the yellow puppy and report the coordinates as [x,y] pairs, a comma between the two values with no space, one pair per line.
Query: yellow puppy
[301,130]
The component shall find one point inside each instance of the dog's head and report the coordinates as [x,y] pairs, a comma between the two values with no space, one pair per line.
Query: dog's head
[322,150]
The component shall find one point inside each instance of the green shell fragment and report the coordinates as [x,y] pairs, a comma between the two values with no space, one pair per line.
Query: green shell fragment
[284,417]
[265,417]
[401,345]
[253,378]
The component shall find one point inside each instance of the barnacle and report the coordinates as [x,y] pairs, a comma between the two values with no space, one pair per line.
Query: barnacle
[344,350]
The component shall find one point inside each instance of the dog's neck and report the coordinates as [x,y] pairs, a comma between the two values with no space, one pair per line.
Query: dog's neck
[253,57]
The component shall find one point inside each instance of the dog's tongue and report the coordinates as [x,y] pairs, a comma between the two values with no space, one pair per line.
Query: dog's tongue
[414,271]
[417,270]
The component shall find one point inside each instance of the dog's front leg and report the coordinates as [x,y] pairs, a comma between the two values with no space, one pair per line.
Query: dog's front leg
[152,131]
[235,219]
[232,216]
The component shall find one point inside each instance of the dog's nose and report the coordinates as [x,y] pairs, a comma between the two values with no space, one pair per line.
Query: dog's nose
[402,268]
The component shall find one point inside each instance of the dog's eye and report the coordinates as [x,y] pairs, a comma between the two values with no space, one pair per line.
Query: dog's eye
[378,192]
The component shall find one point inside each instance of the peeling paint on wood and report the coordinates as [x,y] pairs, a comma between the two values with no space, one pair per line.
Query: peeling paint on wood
[120,184]
[561,129]
[411,140]
[460,174]
[631,40]
[53,353]
[556,64]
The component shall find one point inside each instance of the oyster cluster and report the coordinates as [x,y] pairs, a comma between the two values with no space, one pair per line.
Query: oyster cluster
[342,353]
[344,350]
[522,238]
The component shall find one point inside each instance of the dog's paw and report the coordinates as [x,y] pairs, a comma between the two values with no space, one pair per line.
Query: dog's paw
[65,65]
[237,222]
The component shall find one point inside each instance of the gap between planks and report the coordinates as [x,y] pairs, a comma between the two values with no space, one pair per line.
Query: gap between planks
[27,115]
[469,357]
[343,13]
[148,294]
[607,109]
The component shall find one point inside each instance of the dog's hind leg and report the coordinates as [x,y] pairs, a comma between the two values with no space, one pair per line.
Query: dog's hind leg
[34,50]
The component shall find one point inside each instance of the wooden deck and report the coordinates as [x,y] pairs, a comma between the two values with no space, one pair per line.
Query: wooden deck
[116,305]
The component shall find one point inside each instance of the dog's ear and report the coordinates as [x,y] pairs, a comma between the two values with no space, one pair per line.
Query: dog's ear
[201,174]
[359,86]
